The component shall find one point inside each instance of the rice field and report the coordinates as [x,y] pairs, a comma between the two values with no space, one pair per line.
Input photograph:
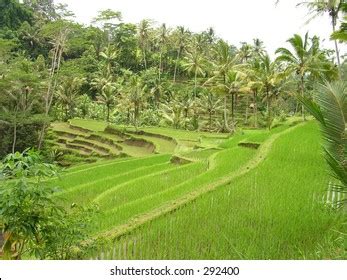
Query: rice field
[273,212]
[257,194]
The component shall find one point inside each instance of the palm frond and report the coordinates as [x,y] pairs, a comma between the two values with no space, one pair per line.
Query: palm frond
[330,109]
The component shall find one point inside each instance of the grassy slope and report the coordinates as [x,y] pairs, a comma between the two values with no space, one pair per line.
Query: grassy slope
[162,145]
[93,125]
[273,212]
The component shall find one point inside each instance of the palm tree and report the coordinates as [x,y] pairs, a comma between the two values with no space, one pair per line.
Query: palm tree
[67,94]
[210,104]
[245,53]
[195,64]
[136,93]
[180,42]
[110,54]
[187,102]
[333,8]
[210,35]
[266,77]
[108,98]
[143,37]
[258,47]
[305,59]
[235,83]
[329,107]
[162,41]
[158,89]
[106,90]
[224,62]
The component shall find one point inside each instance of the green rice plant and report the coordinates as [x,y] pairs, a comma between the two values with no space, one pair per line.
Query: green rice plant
[272,212]
[76,177]
[154,182]
[155,200]
[119,208]
[86,193]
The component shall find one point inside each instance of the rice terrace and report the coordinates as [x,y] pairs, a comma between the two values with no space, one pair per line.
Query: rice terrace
[124,141]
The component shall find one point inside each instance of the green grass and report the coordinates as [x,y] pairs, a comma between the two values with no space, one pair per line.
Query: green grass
[93,125]
[64,127]
[272,212]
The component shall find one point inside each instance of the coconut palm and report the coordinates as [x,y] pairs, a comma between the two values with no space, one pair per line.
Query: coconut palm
[245,53]
[106,90]
[210,35]
[109,54]
[195,64]
[329,107]
[143,32]
[68,93]
[331,7]
[305,59]
[107,97]
[158,89]
[211,105]
[265,77]
[235,83]
[258,47]
[162,42]
[136,93]
[224,61]
[181,39]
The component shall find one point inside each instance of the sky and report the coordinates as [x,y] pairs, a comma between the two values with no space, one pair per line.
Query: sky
[235,21]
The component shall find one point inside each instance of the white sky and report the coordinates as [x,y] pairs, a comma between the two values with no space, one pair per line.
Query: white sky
[233,20]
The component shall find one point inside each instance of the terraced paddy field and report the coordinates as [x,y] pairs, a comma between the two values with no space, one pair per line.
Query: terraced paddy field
[255,195]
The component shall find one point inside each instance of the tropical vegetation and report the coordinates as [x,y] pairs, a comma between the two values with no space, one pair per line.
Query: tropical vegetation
[145,141]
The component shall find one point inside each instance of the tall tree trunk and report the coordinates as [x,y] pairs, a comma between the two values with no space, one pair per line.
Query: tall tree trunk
[108,114]
[176,63]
